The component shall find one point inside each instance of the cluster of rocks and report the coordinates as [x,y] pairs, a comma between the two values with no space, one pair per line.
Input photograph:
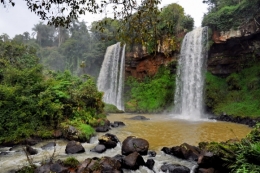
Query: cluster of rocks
[207,162]
[131,157]
[240,120]
[107,126]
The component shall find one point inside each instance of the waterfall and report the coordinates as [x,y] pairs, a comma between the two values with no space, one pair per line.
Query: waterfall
[111,76]
[188,99]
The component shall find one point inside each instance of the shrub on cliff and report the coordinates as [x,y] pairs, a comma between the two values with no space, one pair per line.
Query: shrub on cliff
[153,94]
[227,14]
[238,94]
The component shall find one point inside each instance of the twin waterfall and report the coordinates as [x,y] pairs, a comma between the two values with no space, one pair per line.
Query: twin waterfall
[188,99]
[111,76]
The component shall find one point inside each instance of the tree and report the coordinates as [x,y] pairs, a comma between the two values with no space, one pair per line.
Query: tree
[63,12]
[44,34]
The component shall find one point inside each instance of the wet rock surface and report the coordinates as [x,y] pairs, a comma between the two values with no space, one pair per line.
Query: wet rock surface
[74,147]
[132,144]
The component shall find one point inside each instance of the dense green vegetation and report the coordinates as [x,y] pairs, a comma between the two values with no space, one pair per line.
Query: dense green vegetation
[238,156]
[237,95]
[35,104]
[153,94]
[224,15]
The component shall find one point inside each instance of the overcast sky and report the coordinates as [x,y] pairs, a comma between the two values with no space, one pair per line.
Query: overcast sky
[18,19]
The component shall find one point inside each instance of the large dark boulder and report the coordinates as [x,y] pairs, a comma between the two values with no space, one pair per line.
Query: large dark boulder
[133,161]
[103,165]
[103,128]
[100,148]
[30,150]
[117,124]
[175,168]
[132,144]
[108,140]
[74,147]
[55,167]
[207,160]
[184,151]
[150,163]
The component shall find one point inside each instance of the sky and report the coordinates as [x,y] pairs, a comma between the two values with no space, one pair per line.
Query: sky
[19,19]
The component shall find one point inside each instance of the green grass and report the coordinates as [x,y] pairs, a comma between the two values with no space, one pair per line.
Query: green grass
[236,95]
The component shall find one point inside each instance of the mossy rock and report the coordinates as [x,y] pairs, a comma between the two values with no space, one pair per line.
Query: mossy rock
[109,108]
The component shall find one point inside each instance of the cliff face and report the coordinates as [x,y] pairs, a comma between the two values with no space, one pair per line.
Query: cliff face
[230,52]
[146,65]
[233,50]
[139,63]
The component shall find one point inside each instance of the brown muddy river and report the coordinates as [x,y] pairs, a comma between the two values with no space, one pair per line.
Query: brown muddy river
[164,130]
[159,131]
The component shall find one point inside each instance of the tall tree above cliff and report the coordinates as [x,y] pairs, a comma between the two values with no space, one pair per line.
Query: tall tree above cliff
[63,12]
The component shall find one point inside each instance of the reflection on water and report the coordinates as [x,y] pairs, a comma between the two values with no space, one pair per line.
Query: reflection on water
[163,130]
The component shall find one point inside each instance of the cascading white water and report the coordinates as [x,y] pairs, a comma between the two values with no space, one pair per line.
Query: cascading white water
[188,97]
[111,76]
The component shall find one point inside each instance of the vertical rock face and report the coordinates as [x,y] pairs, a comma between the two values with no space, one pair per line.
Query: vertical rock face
[234,54]
[146,65]
[232,50]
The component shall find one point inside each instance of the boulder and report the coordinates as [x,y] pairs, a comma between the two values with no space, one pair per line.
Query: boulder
[83,165]
[175,168]
[49,145]
[30,150]
[132,144]
[56,167]
[139,117]
[72,134]
[108,140]
[133,161]
[150,163]
[31,141]
[100,148]
[105,164]
[117,124]
[119,158]
[184,151]
[103,128]
[207,160]
[74,147]
[151,153]
[208,170]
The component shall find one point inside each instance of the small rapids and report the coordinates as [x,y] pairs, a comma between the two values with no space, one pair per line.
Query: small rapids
[159,131]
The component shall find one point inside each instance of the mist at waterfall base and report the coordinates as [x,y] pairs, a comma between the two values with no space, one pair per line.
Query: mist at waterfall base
[111,76]
[188,98]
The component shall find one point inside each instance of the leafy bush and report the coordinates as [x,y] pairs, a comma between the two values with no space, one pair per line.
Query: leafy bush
[109,108]
[236,95]
[31,101]
[226,15]
[154,94]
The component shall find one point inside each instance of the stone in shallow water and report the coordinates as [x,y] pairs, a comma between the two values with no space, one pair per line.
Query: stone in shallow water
[139,117]
[175,168]
[74,147]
